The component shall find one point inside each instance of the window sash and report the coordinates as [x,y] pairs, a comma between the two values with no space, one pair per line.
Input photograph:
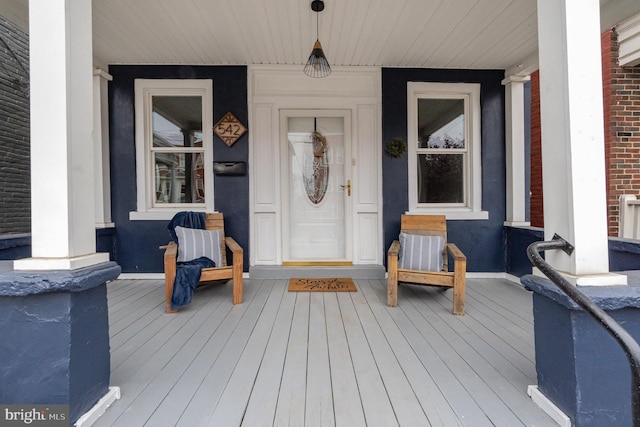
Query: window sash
[471,178]
[148,206]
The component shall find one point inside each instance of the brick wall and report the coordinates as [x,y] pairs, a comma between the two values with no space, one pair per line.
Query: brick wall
[536,215]
[15,198]
[621,99]
[622,128]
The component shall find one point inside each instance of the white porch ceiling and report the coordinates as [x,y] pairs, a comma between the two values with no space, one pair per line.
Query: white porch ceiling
[480,34]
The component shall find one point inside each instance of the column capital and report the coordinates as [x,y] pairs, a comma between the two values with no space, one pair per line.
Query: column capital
[99,72]
[515,79]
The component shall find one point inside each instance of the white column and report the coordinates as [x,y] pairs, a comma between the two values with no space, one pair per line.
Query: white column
[62,182]
[573,138]
[102,183]
[515,155]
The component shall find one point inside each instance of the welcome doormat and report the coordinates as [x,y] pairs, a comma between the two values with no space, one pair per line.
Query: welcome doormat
[322,285]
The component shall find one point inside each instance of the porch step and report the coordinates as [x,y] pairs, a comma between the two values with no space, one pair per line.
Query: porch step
[354,271]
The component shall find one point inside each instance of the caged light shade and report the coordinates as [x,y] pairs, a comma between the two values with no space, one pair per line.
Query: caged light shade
[317,64]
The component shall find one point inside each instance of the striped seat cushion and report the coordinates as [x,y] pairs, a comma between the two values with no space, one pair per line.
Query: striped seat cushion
[194,243]
[420,252]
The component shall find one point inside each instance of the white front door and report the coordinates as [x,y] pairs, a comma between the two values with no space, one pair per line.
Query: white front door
[316,190]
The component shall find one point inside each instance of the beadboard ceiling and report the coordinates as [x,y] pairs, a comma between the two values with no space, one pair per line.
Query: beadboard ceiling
[479,34]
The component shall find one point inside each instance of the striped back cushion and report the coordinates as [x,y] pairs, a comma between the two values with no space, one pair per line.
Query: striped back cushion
[195,243]
[420,252]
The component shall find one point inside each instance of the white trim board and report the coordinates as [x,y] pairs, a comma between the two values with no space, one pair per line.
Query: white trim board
[548,406]
[92,415]
[246,275]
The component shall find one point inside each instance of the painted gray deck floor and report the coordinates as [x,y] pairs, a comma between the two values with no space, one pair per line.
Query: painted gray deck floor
[322,359]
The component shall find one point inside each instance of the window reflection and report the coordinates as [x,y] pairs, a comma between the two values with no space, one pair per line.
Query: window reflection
[441,123]
[176,120]
[177,127]
[441,150]
[440,178]
[179,178]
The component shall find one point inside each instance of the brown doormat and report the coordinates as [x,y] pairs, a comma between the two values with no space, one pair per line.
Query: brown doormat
[322,285]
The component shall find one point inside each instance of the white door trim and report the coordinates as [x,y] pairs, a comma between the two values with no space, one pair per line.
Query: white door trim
[272,88]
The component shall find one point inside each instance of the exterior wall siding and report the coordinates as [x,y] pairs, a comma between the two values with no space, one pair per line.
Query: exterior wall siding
[136,247]
[480,240]
[622,114]
[15,188]
[536,199]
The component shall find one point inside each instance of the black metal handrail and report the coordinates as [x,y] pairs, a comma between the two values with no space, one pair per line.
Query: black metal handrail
[626,341]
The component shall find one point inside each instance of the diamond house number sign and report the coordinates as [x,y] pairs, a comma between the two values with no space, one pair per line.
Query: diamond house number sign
[229,129]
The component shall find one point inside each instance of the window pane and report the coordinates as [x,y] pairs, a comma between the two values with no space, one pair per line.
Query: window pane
[440,178]
[177,121]
[179,178]
[441,123]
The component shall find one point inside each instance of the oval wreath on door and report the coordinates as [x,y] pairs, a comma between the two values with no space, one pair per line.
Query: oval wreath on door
[316,181]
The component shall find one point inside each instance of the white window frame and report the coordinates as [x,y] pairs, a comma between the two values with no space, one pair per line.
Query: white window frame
[145,89]
[470,93]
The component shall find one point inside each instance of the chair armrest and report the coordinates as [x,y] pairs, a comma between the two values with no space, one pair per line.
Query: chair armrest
[394,249]
[459,259]
[233,245]
[455,252]
[171,251]
[392,274]
[238,268]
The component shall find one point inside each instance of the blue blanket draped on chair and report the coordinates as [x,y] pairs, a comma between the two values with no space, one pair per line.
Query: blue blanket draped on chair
[187,220]
[187,273]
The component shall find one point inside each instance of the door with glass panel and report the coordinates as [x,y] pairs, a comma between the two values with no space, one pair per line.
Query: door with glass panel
[316,190]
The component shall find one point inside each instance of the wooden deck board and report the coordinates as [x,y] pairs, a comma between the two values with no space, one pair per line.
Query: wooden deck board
[347,403]
[437,409]
[185,388]
[205,399]
[233,403]
[319,397]
[261,407]
[488,363]
[290,408]
[322,359]
[158,363]
[367,366]
[424,342]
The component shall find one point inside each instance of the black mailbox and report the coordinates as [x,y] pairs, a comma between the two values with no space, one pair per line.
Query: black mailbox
[229,168]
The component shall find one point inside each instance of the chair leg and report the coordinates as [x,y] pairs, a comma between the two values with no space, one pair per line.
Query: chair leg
[237,277]
[458,296]
[168,289]
[392,289]
[237,289]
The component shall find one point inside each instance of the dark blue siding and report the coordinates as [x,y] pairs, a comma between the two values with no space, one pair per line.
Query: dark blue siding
[480,240]
[137,241]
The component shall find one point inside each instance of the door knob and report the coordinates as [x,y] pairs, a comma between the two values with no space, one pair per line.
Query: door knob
[348,187]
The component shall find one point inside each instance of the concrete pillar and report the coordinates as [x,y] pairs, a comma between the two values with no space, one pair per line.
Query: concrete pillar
[62,163]
[573,138]
[515,155]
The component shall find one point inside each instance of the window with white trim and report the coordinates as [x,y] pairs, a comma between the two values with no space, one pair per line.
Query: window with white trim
[444,149]
[174,147]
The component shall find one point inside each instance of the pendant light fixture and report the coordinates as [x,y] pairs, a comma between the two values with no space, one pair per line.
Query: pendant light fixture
[317,64]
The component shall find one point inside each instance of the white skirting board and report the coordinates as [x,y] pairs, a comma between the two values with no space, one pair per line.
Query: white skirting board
[92,415]
[548,406]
